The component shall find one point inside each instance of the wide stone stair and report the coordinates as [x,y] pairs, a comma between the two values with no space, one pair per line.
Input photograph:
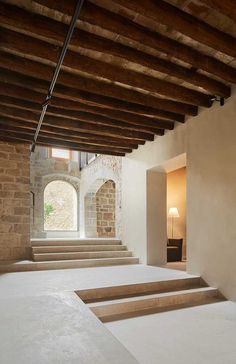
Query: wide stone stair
[126,301]
[80,253]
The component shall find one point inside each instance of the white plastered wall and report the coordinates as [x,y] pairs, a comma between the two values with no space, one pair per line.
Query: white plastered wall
[150,158]
[209,141]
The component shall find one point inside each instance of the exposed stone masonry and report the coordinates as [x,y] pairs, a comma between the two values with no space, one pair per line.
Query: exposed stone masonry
[43,171]
[14,201]
[105,208]
[104,168]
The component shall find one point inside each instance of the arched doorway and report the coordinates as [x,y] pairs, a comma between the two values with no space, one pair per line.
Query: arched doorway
[105,209]
[60,206]
[100,209]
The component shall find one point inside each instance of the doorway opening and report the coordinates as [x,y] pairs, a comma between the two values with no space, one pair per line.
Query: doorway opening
[176,218]
[60,207]
[100,210]
[166,189]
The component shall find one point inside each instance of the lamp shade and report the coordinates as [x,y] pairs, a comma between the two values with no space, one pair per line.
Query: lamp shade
[173,212]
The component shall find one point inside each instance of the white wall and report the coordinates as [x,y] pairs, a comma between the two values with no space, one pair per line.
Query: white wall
[211,197]
[156,217]
[134,183]
[210,143]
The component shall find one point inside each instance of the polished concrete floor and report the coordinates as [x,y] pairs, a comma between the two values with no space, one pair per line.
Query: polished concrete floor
[42,321]
[197,335]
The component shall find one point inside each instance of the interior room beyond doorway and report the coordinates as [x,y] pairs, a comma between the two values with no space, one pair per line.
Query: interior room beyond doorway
[176,216]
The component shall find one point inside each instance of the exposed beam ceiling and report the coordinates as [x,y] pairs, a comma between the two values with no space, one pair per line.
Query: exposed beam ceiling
[226,7]
[133,69]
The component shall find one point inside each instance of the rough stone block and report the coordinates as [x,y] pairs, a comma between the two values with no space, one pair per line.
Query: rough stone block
[108,216]
[21,228]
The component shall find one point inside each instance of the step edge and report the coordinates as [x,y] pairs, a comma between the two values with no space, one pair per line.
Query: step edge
[196,280]
[152,296]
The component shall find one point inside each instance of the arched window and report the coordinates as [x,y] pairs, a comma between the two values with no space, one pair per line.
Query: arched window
[60,206]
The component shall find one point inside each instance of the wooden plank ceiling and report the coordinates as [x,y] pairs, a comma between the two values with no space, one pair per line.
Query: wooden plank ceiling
[134,69]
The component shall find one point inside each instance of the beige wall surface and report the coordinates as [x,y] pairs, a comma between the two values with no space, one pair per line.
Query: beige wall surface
[211,196]
[176,197]
[135,168]
[209,140]
[156,218]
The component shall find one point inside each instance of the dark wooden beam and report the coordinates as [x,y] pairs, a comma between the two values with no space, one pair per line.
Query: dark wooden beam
[89,111]
[39,25]
[185,23]
[91,119]
[43,51]
[78,125]
[98,101]
[226,7]
[69,135]
[70,86]
[44,141]
[88,100]
[117,24]
[133,120]
[64,138]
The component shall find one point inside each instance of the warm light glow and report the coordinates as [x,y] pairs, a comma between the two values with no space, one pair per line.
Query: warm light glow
[173,212]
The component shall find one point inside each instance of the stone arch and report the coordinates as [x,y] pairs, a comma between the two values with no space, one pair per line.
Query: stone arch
[106,210]
[60,206]
[94,204]
[39,186]
[104,168]
[74,181]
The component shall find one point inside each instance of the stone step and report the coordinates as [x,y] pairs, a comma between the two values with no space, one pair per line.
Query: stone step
[160,302]
[75,248]
[69,242]
[23,266]
[80,255]
[139,289]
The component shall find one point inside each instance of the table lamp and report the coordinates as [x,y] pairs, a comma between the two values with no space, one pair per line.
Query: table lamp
[173,213]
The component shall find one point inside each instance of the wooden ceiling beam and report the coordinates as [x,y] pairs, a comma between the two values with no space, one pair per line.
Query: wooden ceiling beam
[70,86]
[69,134]
[39,25]
[44,141]
[62,139]
[94,100]
[226,7]
[89,111]
[185,23]
[43,51]
[91,119]
[79,125]
[117,24]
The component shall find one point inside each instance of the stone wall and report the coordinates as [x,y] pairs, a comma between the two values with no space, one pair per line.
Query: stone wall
[86,182]
[14,201]
[44,170]
[105,210]
[101,170]
[90,215]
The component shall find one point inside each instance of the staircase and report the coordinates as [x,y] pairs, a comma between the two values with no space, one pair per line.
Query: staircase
[79,253]
[120,302]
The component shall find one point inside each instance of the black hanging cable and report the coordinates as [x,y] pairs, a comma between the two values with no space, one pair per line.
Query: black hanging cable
[57,70]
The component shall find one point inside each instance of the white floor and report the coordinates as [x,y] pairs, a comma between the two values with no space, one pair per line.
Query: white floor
[43,322]
[197,335]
